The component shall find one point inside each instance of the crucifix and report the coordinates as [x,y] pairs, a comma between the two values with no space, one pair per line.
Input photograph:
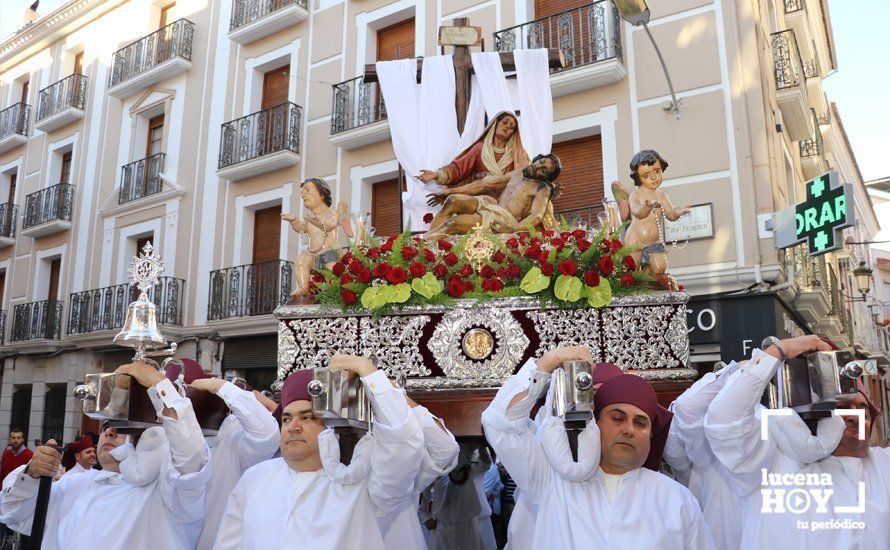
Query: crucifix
[462,36]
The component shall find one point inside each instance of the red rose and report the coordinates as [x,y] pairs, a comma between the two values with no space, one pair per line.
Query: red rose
[535,242]
[591,278]
[512,243]
[497,285]
[606,265]
[338,269]
[346,258]
[533,252]
[565,235]
[579,233]
[545,255]
[627,279]
[455,288]
[397,275]
[387,246]
[364,276]
[629,263]
[680,287]
[513,270]
[428,217]
[614,246]
[440,271]
[417,269]
[549,233]
[347,296]
[408,252]
[583,245]
[429,255]
[502,272]
[499,257]
[382,270]
[558,243]
[444,245]
[486,285]
[567,267]
[317,279]
[345,279]
[466,270]
[547,268]
[450,258]
[355,265]
[374,253]
[487,271]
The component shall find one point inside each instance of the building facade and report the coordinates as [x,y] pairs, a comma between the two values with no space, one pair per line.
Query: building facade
[190,124]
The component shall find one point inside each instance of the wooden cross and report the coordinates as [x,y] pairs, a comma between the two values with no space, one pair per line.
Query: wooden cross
[461,36]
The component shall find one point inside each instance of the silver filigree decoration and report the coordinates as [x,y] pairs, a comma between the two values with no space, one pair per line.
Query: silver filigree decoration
[561,327]
[287,348]
[395,341]
[145,270]
[637,337]
[316,340]
[446,344]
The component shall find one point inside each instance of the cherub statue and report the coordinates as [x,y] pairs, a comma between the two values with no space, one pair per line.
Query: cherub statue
[320,226]
[644,207]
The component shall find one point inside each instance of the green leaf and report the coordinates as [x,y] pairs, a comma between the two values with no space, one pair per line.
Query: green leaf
[373,297]
[397,294]
[568,288]
[534,281]
[427,286]
[599,296]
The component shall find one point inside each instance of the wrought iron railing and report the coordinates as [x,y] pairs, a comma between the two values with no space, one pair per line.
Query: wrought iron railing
[8,214]
[50,204]
[141,178]
[586,34]
[252,289]
[106,308]
[809,271]
[174,40]
[811,69]
[245,12]
[36,320]
[14,120]
[356,103]
[812,147]
[588,215]
[262,133]
[786,56]
[2,327]
[792,6]
[68,92]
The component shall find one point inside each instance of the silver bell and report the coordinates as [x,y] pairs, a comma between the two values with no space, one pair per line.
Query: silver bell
[140,330]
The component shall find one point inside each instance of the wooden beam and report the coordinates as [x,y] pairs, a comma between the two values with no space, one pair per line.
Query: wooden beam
[554,58]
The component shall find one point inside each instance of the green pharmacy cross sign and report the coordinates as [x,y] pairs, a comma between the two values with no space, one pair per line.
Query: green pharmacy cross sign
[828,208]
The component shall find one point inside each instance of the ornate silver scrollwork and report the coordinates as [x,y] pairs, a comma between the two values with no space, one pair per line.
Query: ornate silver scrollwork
[567,327]
[395,341]
[637,337]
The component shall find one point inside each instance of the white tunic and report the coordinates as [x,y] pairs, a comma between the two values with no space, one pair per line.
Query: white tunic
[100,509]
[439,458]
[707,479]
[733,432]
[76,469]
[649,510]
[247,437]
[274,506]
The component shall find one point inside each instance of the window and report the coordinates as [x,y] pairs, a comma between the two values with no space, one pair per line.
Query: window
[581,178]
[386,207]
[52,291]
[65,174]
[25,87]
[142,241]
[20,418]
[396,41]
[54,412]
[78,63]
[13,178]
[546,8]
[275,87]
[154,144]
[2,284]
[166,15]
[264,276]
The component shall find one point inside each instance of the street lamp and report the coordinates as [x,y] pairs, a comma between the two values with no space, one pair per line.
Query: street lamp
[863,279]
[636,12]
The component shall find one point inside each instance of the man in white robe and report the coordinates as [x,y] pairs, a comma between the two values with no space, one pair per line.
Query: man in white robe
[153,504]
[857,476]
[600,500]
[83,453]
[307,498]
[248,436]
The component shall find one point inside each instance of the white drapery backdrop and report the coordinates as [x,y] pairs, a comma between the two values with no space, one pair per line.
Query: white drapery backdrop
[423,121]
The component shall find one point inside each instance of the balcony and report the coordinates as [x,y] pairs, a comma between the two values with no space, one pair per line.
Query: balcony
[37,321]
[812,154]
[588,216]
[261,142]
[255,19]
[835,325]
[93,313]
[2,327]
[62,103]
[8,216]
[14,126]
[141,178]
[812,301]
[359,114]
[590,41]
[48,211]
[791,88]
[243,298]
[162,54]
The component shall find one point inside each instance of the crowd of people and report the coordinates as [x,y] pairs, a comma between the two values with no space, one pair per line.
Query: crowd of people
[703,474]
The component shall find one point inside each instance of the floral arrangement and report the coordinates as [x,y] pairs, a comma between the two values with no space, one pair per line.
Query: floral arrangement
[571,267]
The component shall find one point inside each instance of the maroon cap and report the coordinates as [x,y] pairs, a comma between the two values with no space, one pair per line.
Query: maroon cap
[606,371]
[81,444]
[633,390]
[296,388]
[193,371]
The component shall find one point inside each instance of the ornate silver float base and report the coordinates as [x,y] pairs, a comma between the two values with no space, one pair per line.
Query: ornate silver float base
[479,345]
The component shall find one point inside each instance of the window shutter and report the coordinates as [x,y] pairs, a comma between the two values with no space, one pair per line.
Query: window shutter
[386,204]
[275,86]
[396,41]
[582,175]
[266,234]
